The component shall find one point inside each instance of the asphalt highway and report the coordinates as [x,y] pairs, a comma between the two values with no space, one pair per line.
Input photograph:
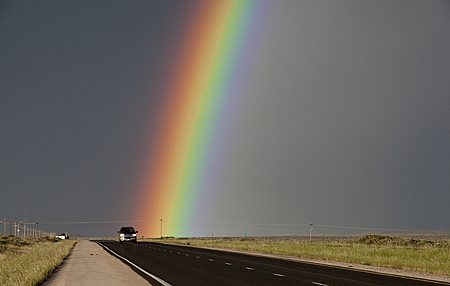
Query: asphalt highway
[166,264]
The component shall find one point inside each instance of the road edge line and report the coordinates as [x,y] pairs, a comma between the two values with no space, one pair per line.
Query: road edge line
[137,267]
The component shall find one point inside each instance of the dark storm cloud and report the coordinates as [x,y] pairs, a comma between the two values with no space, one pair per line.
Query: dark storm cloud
[348,121]
[345,122]
[76,81]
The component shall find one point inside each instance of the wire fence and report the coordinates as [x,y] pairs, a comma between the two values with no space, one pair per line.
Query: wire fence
[23,229]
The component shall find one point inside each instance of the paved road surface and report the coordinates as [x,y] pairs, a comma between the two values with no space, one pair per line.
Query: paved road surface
[184,265]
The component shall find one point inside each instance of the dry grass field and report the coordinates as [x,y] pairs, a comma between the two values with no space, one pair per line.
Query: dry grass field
[29,261]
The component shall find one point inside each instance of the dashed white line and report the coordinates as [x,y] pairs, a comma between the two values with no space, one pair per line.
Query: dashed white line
[187,254]
[227,263]
[277,274]
[320,284]
[211,260]
[248,268]
[197,257]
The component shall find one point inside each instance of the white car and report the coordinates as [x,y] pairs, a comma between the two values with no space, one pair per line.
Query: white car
[127,233]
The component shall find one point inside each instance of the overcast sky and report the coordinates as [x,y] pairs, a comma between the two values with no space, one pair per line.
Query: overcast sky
[345,123]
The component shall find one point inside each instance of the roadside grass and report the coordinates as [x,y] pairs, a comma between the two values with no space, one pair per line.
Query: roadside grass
[30,261]
[421,255]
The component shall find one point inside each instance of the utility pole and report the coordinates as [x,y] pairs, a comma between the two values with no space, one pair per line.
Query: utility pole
[4,228]
[161,229]
[37,230]
[310,231]
[18,228]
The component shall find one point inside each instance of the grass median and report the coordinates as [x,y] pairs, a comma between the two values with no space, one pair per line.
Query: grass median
[421,255]
[30,261]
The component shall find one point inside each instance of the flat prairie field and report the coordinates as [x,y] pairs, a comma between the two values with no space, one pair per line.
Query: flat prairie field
[30,261]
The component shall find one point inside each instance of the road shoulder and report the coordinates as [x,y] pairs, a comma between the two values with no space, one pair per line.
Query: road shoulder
[89,264]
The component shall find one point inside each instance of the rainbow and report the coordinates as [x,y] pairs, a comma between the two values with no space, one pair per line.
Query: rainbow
[215,56]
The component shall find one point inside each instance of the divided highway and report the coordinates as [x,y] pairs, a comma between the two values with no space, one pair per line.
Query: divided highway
[165,264]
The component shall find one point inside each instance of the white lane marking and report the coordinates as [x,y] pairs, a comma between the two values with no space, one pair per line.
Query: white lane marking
[164,250]
[211,260]
[178,253]
[197,257]
[248,268]
[187,254]
[137,267]
[280,275]
[320,284]
[228,263]
[171,251]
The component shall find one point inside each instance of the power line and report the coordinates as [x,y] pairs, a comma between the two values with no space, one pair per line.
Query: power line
[365,228]
[93,222]
[227,223]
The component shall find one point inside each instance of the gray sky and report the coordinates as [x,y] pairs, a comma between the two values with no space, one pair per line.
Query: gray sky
[345,122]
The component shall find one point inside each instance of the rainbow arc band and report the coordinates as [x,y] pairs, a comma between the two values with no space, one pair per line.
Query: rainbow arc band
[213,60]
